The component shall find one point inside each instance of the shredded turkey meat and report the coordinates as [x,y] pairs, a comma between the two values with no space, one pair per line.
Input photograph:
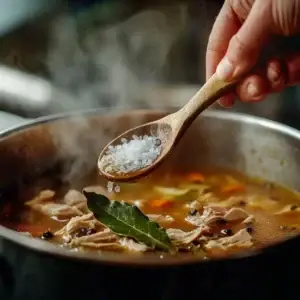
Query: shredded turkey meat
[181,238]
[76,223]
[249,220]
[86,231]
[132,245]
[57,211]
[236,214]
[77,199]
[194,205]
[241,239]
[211,214]
[74,204]
[160,218]
[207,198]
[42,197]
[208,218]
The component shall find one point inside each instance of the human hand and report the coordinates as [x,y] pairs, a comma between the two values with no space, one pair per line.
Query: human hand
[243,30]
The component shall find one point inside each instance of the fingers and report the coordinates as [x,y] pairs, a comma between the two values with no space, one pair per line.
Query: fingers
[246,45]
[225,27]
[276,76]
[292,63]
[254,88]
[228,100]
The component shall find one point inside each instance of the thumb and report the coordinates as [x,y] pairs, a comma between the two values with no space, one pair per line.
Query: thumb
[246,45]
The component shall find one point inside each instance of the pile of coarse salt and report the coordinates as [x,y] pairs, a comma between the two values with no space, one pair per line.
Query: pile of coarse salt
[132,155]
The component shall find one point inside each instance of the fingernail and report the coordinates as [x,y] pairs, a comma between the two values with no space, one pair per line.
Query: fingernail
[224,105]
[273,75]
[226,101]
[225,69]
[252,90]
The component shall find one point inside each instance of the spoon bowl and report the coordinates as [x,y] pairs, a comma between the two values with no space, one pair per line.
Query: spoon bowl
[167,130]
[160,129]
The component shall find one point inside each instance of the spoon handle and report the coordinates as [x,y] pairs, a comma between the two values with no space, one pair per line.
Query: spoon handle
[206,96]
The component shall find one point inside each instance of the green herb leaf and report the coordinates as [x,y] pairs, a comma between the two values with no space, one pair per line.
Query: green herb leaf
[127,220]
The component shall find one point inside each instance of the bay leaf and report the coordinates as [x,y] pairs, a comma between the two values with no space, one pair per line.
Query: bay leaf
[127,220]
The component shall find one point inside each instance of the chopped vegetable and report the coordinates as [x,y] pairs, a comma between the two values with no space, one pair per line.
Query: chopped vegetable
[127,220]
[262,203]
[173,192]
[195,177]
[201,188]
[160,203]
[232,188]
[231,180]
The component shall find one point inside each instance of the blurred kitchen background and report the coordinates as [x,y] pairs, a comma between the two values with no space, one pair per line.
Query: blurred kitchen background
[59,55]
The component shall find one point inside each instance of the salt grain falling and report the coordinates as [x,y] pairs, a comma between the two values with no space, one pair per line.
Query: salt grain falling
[132,155]
[111,188]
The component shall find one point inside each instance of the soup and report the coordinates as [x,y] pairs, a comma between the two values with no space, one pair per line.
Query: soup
[212,213]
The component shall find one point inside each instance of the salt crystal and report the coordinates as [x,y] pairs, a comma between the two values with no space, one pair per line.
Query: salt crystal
[110,186]
[132,155]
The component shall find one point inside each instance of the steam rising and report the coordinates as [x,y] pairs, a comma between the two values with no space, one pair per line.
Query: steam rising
[109,67]
[113,66]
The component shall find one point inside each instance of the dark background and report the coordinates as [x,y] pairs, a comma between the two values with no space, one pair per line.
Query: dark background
[30,41]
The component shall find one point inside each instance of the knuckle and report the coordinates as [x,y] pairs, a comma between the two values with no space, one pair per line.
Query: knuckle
[237,47]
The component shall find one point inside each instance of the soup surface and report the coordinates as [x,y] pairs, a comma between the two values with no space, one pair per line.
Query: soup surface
[209,213]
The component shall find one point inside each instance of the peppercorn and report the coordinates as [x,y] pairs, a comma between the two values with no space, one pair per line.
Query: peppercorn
[193,212]
[47,235]
[294,207]
[249,229]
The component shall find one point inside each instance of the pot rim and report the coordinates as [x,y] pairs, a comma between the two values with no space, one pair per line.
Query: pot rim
[135,260]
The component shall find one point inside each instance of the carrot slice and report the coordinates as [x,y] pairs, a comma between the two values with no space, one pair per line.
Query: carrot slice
[195,177]
[233,188]
[160,203]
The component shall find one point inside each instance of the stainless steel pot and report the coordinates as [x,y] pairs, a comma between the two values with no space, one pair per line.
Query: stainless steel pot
[34,269]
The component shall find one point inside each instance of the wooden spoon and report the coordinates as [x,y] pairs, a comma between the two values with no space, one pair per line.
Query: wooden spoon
[168,129]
